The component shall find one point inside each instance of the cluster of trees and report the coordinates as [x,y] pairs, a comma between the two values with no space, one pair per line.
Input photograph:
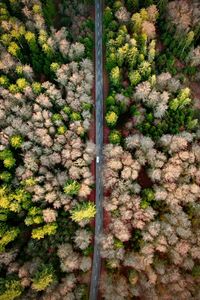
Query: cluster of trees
[128,43]
[166,104]
[129,58]
[150,244]
[180,33]
[152,238]
[46,80]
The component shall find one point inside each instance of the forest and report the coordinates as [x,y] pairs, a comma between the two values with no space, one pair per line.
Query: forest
[150,242]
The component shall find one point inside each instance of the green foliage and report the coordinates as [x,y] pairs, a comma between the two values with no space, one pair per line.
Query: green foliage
[49,11]
[56,117]
[31,40]
[115,76]
[48,51]
[87,106]
[136,22]
[71,187]
[136,240]
[29,182]
[133,5]
[165,62]
[111,61]
[44,277]
[13,89]
[110,101]
[88,251]
[34,216]
[8,159]
[19,70]
[147,197]
[61,129]
[3,215]
[175,121]
[152,51]
[108,17]
[115,137]
[128,60]
[88,42]
[54,67]
[10,288]
[121,54]
[14,49]
[117,4]
[182,100]
[162,5]
[41,54]
[36,87]
[89,23]
[145,69]
[134,77]
[75,116]
[67,110]
[190,70]
[134,111]
[4,14]
[5,176]
[196,271]
[5,39]
[7,235]
[132,56]
[118,244]
[14,201]
[178,45]
[35,58]
[4,81]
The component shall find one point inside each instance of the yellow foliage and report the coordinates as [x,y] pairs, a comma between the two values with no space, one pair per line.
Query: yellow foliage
[84,212]
[21,83]
[13,290]
[13,49]
[4,200]
[111,118]
[48,229]
[30,36]
[43,282]
[37,9]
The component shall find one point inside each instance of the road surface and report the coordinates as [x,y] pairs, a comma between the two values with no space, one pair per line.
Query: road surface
[96,268]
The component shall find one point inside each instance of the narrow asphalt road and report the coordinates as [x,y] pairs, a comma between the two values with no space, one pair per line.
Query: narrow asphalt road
[96,268]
